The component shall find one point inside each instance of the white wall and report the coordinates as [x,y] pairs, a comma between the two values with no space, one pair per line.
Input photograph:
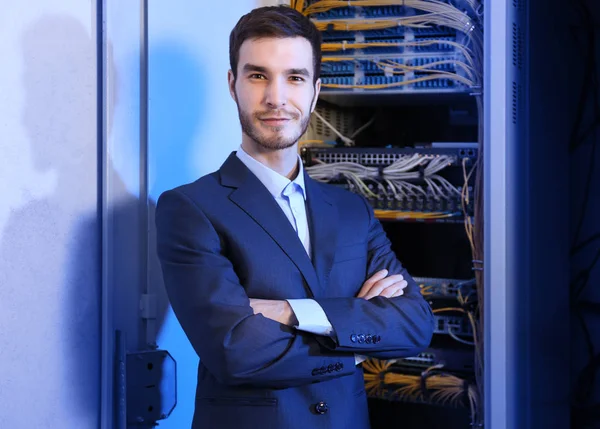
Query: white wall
[49,230]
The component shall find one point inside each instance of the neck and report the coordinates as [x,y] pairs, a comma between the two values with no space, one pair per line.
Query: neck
[283,161]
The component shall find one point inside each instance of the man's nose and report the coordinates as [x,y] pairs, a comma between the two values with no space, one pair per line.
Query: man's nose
[275,95]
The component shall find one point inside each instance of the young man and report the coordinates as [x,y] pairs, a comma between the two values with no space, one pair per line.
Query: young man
[282,284]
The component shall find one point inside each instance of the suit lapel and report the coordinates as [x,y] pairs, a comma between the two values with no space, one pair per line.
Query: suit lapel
[252,197]
[323,218]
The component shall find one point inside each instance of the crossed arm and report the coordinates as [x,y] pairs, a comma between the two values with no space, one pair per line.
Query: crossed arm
[379,284]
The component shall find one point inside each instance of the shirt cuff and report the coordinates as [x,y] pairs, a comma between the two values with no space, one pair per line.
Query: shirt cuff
[359,359]
[311,317]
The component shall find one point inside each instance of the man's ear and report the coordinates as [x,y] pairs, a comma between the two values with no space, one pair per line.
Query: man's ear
[231,82]
[316,97]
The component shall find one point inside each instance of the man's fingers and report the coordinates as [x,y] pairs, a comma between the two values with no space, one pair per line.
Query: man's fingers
[399,292]
[367,285]
[382,284]
[389,290]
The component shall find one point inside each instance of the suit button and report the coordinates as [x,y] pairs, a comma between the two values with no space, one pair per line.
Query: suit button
[338,366]
[361,339]
[378,338]
[315,371]
[321,407]
[330,368]
[353,338]
[368,339]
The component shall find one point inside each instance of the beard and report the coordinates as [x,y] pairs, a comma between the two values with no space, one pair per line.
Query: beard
[274,140]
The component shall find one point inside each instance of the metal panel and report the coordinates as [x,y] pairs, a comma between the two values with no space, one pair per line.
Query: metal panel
[495,228]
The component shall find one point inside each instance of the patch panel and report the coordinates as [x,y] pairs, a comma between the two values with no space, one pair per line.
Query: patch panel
[384,11]
[434,70]
[449,204]
[429,204]
[373,66]
[445,288]
[452,360]
[394,46]
[381,157]
[379,12]
[387,80]
[382,196]
[398,32]
[339,13]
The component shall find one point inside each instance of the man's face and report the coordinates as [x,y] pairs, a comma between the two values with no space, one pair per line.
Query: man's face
[274,90]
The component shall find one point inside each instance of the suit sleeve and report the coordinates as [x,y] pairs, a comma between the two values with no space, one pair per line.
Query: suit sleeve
[236,346]
[383,328]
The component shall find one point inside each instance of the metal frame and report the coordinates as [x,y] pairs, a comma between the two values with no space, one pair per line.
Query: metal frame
[107,339]
[113,348]
[496,198]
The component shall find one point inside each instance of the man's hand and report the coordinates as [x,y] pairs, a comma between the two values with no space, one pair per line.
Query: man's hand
[380,285]
[277,310]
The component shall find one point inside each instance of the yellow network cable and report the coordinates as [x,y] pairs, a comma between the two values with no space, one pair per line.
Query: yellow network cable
[312,142]
[426,290]
[297,4]
[333,47]
[446,309]
[337,59]
[397,215]
[465,201]
[419,21]
[441,388]
[327,5]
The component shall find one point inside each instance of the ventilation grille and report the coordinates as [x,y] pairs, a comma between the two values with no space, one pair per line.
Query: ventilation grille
[517,101]
[317,130]
[518,46]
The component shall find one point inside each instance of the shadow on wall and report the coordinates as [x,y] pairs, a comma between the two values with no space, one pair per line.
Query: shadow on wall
[50,248]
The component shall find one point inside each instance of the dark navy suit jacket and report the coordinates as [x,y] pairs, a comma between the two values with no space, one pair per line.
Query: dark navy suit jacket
[222,240]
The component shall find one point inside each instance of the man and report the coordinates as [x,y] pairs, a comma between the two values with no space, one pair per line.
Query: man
[282,284]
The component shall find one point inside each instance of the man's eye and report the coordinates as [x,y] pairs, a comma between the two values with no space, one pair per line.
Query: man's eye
[257,76]
[297,78]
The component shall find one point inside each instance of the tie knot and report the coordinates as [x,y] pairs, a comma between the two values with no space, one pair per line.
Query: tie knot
[289,189]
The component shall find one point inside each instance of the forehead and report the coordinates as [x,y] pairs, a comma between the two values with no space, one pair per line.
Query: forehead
[277,54]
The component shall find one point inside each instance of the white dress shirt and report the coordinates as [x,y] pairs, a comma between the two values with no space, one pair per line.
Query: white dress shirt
[291,196]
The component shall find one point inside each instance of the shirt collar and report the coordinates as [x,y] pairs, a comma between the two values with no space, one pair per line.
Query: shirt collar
[273,181]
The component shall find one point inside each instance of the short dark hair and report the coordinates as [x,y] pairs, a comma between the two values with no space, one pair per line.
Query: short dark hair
[278,22]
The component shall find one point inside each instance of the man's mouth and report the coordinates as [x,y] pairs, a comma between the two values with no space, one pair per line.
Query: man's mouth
[275,121]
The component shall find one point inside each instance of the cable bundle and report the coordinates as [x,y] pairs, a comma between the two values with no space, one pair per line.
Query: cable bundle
[430,14]
[396,176]
[382,379]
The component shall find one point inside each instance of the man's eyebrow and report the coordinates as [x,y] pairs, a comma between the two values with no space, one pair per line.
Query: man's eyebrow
[254,68]
[301,72]
[260,69]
